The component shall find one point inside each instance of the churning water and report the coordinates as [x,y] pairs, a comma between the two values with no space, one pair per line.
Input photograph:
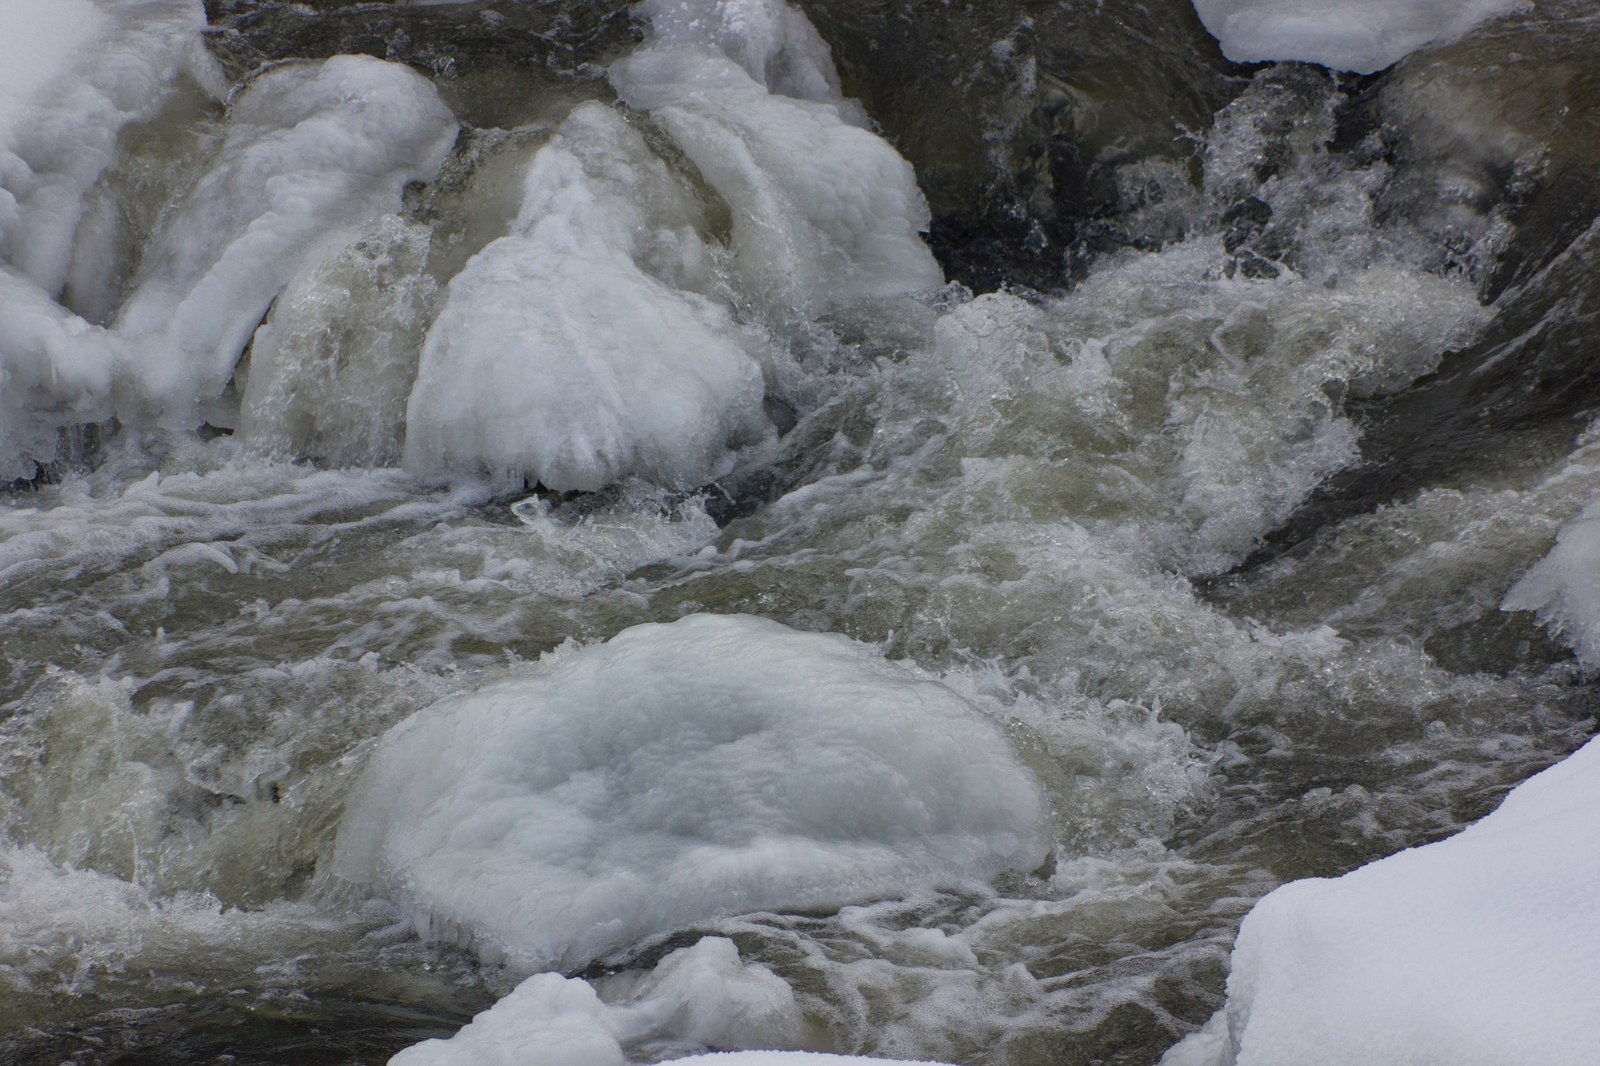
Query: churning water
[958,503]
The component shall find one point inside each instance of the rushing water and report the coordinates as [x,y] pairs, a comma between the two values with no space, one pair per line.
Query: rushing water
[1200,463]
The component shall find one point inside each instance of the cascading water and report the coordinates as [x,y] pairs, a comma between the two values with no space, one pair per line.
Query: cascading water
[850,527]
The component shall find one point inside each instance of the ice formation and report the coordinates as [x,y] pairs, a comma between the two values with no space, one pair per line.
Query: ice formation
[825,212]
[677,774]
[72,76]
[702,996]
[1480,949]
[1564,587]
[609,334]
[581,347]
[1357,35]
[313,150]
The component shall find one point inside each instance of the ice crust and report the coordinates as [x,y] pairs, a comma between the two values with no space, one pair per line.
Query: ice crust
[311,149]
[610,334]
[73,74]
[1480,949]
[1356,35]
[677,774]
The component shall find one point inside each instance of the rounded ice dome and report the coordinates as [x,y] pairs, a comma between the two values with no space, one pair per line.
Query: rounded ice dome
[680,773]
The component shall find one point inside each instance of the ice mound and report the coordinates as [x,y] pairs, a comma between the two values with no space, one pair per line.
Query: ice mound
[825,212]
[1564,587]
[579,348]
[43,36]
[1483,948]
[680,773]
[703,996]
[1358,35]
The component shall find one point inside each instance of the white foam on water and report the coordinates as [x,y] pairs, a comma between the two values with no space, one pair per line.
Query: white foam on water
[582,348]
[1479,949]
[697,997]
[1361,36]
[214,500]
[677,774]
[825,213]
[1228,444]
[65,930]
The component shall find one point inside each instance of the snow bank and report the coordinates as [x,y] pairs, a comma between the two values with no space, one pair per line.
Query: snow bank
[1480,949]
[825,212]
[577,349]
[1564,586]
[680,773]
[1358,35]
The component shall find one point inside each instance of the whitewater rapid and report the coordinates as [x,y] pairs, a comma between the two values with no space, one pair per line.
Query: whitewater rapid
[520,541]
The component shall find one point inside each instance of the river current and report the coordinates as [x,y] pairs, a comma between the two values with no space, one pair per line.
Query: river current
[1172,433]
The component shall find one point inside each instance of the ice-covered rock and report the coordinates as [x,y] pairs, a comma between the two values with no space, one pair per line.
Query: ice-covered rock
[73,74]
[677,774]
[1564,586]
[702,996]
[611,333]
[1358,35]
[581,348]
[314,152]
[825,212]
[1480,949]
